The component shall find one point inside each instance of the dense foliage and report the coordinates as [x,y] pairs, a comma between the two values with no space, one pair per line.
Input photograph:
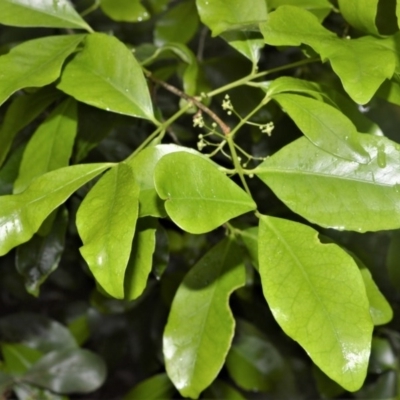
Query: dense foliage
[199,198]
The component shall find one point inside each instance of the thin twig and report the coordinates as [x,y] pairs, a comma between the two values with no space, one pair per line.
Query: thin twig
[224,128]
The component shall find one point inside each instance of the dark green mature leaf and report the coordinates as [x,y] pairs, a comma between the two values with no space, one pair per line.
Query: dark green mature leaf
[250,239]
[361,14]
[200,325]
[253,362]
[45,13]
[336,193]
[154,388]
[170,27]
[353,60]
[325,126]
[106,222]
[22,111]
[380,310]
[141,258]
[224,15]
[106,75]
[34,63]
[35,331]
[9,172]
[21,215]
[18,358]
[39,257]
[125,10]
[393,260]
[222,390]
[143,165]
[68,371]
[199,198]
[51,145]
[316,293]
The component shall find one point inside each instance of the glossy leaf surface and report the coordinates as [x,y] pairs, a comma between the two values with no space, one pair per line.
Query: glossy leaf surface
[316,294]
[200,324]
[106,223]
[361,14]
[223,15]
[21,215]
[141,258]
[51,145]
[41,13]
[380,310]
[336,193]
[125,10]
[325,126]
[68,371]
[199,197]
[106,75]
[34,63]
[22,111]
[39,257]
[353,60]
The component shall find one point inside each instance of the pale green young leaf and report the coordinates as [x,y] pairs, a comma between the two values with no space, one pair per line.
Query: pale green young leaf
[224,15]
[380,310]
[325,126]
[21,215]
[169,27]
[143,165]
[106,75]
[398,12]
[360,14]
[320,8]
[141,259]
[51,145]
[250,240]
[125,10]
[106,223]
[199,197]
[38,258]
[316,293]
[21,112]
[336,193]
[246,43]
[41,13]
[18,358]
[34,63]
[154,388]
[200,325]
[353,60]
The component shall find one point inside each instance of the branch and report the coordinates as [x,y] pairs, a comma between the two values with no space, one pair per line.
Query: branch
[224,128]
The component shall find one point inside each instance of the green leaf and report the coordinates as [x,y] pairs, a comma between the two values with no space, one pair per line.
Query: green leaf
[154,388]
[68,371]
[253,362]
[18,357]
[224,15]
[380,310]
[316,294]
[353,60]
[34,63]
[393,260]
[39,257]
[106,223]
[9,172]
[125,10]
[250,240]
[320,8]
[25,391]
[390,91]
[106,75]
[21,215]
[143,165]
[246,43]
[35,331]
[222,390]
[22,111]
[325,126]
[361,14]
[41,13]
[199,198]
[141,258]
[335,193]
[51,145]
[200,324]
[169,27]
